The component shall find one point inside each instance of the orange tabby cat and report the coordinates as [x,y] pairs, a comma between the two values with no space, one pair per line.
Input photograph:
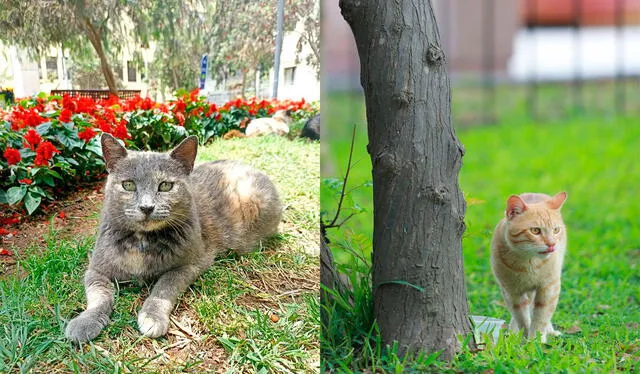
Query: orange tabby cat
[527,250]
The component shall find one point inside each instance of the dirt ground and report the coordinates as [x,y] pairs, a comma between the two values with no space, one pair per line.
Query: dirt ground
[77,213]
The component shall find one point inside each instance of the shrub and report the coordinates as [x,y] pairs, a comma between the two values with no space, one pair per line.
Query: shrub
[49,144]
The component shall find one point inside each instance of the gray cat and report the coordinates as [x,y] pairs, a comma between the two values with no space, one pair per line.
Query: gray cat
[163,220]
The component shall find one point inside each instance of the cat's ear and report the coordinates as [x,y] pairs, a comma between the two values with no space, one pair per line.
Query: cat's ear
[112,151]
[557,201]
[515,206]
[185,153]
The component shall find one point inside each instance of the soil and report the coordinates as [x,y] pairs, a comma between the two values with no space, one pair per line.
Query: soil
[77,213]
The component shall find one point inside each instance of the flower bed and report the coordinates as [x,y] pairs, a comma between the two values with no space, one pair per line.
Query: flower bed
[49,144]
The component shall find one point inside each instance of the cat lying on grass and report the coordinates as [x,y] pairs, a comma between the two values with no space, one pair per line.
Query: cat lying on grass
[165,221]
[527,251]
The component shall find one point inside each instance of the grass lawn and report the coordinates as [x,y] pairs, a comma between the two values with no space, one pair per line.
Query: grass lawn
[255,313]
[596,161]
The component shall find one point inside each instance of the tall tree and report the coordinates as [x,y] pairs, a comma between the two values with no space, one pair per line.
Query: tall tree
[182,32]
[247,29]
[419,291]
[310,34]
[38,25]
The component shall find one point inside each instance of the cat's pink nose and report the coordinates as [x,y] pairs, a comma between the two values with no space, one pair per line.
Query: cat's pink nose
[551,248]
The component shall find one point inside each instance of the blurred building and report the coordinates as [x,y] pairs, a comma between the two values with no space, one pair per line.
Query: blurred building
[510,40]
[53,71]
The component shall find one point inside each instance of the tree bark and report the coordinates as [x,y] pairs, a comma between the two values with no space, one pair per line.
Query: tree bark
[329,277]
[96,42]
[418,206]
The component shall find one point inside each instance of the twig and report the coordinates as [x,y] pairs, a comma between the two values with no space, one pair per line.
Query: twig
[344,186]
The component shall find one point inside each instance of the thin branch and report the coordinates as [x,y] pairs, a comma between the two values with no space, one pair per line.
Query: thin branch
[344,182]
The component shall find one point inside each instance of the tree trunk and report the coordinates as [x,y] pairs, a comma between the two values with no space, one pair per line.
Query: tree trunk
[174,76]
[278,52]
[329,276]
[96,41]
[418,206]
[244,82]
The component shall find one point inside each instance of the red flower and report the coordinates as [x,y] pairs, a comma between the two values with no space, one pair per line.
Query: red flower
[65,115]
[180,118]
[163,108]
[147,104]
[85,105]
[193,95]
[121,131]
[134,103]
[44,153]
[62,215]
[109,115]
[87,134]
[104,125]
[111,101]
[212,109]
[26,181]
[180,106]
[21,118]
[4,231]
[68,103]
[5,252]
[12,156]
[218,116]
[197,111]
[32,139]
[12,220]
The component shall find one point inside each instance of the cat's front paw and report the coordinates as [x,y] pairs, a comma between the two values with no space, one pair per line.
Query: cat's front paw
[546,333]
[152,325]
[85,327]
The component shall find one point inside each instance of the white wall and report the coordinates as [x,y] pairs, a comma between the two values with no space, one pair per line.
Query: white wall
[306,83]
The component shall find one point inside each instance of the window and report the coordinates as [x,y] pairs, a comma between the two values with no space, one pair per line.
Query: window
[52,68]
[289,76]
[131,71]
[118,69]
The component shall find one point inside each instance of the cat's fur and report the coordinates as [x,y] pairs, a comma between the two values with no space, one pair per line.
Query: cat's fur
[527,252]
[278,124]
[169,237]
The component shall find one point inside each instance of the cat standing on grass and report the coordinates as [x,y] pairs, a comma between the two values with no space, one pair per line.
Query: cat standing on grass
[165,221]
[527,251]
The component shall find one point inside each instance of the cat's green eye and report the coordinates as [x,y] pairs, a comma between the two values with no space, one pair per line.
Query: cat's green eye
[535,230]
[556,230]
[165,186]
[129,186]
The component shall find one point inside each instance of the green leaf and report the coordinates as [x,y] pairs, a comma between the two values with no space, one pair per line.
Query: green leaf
[94,148]
[43,129]
[55,174]
[3,197]
[15,194]
[72,161]
[48,179]
[166,137]
[31,202]
[37,190]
